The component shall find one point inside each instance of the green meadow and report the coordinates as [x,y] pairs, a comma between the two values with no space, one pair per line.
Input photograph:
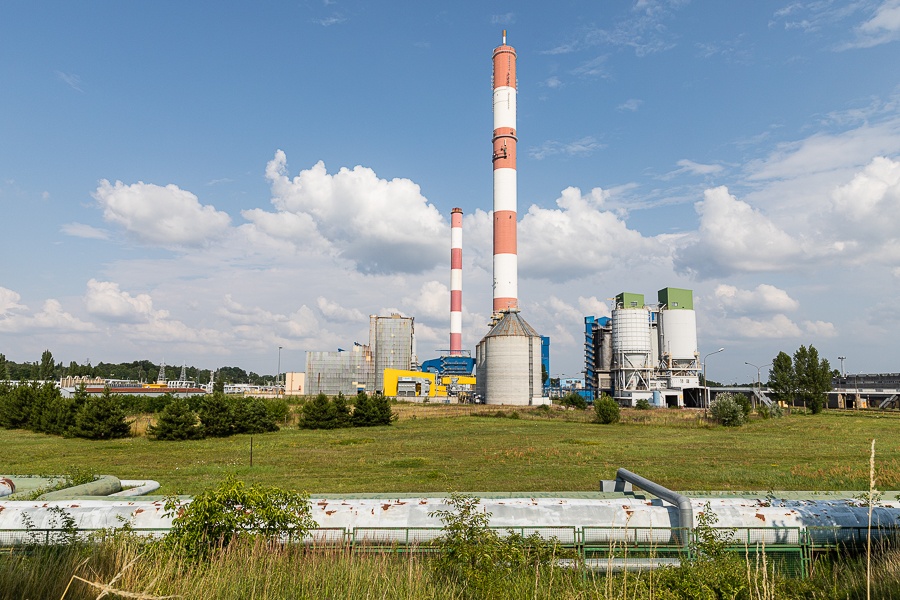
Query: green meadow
[442,448]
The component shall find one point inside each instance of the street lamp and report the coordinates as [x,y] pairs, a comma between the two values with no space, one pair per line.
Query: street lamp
[705,380]
[758,381]
[278,374]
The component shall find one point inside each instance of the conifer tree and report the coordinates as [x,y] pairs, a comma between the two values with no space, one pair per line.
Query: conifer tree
[101,418]
[177,422]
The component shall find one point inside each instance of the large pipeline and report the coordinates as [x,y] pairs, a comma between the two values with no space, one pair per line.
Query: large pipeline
[685,510]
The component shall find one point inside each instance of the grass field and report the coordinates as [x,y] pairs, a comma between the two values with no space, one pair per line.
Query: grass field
[442,448]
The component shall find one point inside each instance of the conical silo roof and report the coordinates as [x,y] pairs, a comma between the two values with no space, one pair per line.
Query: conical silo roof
[512,324]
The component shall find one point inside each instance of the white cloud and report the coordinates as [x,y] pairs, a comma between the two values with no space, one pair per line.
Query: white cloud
[383,226]
[631,104]
[596,67]
[164,216]
[335,312]
[694,168]
[883,27]
[581,147]
[50,317]
[871,200]
[503,19]
[819,329]
[84,231]
[71,80]
[764,298]
[9,301]
[734,237]
[105,300]
[579,239]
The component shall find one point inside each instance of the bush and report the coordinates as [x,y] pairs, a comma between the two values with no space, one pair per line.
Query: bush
[606,410]
[574,400]
[726,410]
[643,404]
[216,412]
[177,422]
[217,516]
[479,558]
[101,418]
[252,416]
[745,404]
[775,411]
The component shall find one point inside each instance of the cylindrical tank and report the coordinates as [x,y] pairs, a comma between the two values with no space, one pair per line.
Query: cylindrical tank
[512,360]
[631,336]
[606,349]
[7,486]
[678,334]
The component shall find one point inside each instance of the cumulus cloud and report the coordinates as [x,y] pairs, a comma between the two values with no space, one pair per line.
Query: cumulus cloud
[335,312]
[383,226]
[733,237]
[84,231]
[579,238]
[51,317]
[764,298]
[105,300]
[9,301]
[871,200]
[163,216]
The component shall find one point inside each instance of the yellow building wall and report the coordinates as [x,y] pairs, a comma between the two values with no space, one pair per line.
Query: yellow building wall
[435,388]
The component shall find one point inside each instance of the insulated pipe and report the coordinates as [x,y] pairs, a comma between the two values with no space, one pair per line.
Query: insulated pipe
[504,141]
[685,510]
[456,282]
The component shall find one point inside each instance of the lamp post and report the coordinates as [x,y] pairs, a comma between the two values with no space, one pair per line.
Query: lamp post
[758,380]
[278,375]
[705,380]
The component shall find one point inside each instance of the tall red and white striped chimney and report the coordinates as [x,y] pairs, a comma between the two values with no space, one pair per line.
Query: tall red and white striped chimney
[456,282]
[505,258]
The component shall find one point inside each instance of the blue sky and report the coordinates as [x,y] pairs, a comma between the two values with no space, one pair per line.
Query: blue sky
[204,182]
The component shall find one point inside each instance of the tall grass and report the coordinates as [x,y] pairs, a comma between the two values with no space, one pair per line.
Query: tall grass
[258,570]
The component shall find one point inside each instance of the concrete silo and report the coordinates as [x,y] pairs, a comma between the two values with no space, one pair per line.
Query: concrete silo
[633,360]
[508,363]
[679,357]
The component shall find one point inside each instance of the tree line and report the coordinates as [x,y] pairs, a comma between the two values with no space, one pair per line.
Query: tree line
[47,369]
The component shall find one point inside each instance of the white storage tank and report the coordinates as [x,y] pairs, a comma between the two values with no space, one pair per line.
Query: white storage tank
[631,337]
[678,334]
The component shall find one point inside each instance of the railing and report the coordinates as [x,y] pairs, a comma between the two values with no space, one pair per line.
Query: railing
[789,549]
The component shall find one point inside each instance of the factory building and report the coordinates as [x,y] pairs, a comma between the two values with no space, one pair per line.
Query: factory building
[645,351]
[391,345]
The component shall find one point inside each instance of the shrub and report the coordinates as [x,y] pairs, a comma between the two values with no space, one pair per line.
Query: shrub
[745,404]
[478,558]
[252,416]
[775,411]
[101,418]
[726,410]
[574,400]
[317,413]
[217,516]
[177,422]
[216,412]
[643,404]
[279,409]
[606,410]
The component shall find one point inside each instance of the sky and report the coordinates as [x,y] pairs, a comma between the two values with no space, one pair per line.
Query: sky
[205,182]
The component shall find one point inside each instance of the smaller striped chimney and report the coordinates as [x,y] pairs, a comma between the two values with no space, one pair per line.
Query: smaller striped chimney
[456,282]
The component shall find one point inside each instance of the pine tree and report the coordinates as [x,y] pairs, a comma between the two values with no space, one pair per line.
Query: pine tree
[101,418]
[216,412]
[317,413]
[340,411]
[363,411]
[252,416]
[177,422]
[381,409]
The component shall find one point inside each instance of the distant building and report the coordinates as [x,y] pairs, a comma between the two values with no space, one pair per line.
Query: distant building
[361,368]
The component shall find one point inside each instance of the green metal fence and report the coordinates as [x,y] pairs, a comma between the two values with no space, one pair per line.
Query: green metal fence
[790,550]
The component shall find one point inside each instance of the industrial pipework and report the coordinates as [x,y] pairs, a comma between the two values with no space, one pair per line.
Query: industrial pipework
[506,293]
[685,510]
